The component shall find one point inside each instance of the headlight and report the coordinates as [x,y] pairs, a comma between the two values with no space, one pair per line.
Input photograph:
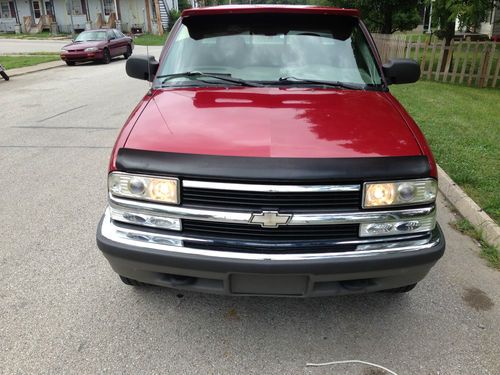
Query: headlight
[399,193]
[149,188]
[91,49]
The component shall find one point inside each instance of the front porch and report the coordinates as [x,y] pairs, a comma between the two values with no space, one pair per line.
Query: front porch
[65,16]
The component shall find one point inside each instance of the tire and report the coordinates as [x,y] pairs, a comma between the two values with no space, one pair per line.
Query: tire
[4,75]
[131,282]
[402,289]
[70,63]
[106,56]
[128,53]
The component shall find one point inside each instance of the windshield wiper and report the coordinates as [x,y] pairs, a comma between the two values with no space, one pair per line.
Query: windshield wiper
[292,80]
[220,76]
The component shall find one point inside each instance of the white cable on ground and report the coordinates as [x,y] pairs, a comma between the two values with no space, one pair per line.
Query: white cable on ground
[351,361]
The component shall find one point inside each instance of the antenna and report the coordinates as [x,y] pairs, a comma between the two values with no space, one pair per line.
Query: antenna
[149,68]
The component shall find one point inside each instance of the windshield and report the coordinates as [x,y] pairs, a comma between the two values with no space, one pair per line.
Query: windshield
[87,36]
[269,48]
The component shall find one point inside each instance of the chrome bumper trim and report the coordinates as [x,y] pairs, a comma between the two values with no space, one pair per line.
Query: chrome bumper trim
[174,244]
[356,217]
[270,188]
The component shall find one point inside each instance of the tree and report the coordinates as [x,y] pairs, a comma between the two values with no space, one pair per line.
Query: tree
[469,13]
[184,4]
[384,16]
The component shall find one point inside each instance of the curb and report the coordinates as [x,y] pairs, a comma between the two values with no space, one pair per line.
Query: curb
[35,68]
[469,209]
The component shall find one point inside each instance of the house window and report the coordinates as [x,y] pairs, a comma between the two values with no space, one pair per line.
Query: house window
[5,10]
[109,7]
[79,7]
[36,9]
[12,9]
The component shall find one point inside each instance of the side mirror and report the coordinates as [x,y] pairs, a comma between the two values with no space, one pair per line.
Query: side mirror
[142,67]
[401,71]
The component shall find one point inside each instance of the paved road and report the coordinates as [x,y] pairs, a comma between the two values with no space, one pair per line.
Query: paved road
[62,309]
[8,46]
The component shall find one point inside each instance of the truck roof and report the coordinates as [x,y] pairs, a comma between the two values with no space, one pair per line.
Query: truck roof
[249,9]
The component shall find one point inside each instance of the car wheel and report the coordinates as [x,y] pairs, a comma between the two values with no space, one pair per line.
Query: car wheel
[131,282]
[106,57]
[70,63]
[4,75]
[128,53]
[403,289]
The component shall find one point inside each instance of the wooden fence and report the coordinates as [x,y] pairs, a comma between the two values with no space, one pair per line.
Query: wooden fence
[463,62]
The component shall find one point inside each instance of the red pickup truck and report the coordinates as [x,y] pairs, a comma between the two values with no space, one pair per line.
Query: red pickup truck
[269,158]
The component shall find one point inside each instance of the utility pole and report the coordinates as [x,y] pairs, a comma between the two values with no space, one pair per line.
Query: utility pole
[116,11]
[429,30]
[71,18]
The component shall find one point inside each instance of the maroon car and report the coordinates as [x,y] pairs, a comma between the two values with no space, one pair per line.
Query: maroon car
[97,45]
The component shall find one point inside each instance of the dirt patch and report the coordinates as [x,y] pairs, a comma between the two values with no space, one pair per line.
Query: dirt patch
[477,299]
[374,371]
[232,314]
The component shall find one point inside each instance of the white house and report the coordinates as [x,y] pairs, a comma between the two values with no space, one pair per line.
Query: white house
[492,25]
[130,15]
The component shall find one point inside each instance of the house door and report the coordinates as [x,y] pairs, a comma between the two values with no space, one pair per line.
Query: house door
[111,6]
[48,9]
[37,10]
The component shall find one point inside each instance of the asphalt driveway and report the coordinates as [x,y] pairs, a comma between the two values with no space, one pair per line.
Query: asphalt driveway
[62,309]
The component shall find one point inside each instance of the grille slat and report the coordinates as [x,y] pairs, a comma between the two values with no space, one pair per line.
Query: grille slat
[250,231]
[251,200]
[257,249]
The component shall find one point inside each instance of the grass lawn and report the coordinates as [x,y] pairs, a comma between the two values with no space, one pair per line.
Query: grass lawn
[462,125]
[42,35]
[21,61]
[150,40]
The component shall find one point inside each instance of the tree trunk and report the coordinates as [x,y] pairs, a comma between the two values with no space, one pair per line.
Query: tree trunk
[387,26]
[448,33]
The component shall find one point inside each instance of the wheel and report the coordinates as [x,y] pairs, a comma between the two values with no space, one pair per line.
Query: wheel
[4,75]
[128,53]
[402,289]
[106,57]
[70,63]
[131,282]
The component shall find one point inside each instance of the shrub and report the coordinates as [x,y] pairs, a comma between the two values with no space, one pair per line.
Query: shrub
[173,16]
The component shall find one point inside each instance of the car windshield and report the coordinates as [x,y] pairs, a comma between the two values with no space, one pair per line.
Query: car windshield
[87,36]
[271,49]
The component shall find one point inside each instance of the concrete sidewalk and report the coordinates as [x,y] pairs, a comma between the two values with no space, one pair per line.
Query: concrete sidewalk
[35,68]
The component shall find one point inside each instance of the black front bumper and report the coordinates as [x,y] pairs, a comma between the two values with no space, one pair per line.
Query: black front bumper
[304,278]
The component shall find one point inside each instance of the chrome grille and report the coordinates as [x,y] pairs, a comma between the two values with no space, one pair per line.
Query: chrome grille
[282,233]
[255,197]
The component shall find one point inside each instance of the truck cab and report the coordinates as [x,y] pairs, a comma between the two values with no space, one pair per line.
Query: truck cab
[270,158]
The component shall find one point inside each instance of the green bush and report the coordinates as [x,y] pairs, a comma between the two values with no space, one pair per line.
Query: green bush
[173,16]
[184,4]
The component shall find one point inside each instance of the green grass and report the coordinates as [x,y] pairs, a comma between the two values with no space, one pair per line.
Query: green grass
[21,61]
[42,35]
[488,252]
[150,40]
[462,126]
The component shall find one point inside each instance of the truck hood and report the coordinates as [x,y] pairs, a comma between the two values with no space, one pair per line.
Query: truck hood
[273,122]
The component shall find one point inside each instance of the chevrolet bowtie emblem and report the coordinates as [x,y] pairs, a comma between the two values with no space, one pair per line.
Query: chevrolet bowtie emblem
[270,219]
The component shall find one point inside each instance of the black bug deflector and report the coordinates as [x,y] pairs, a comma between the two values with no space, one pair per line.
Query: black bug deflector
[272,169]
